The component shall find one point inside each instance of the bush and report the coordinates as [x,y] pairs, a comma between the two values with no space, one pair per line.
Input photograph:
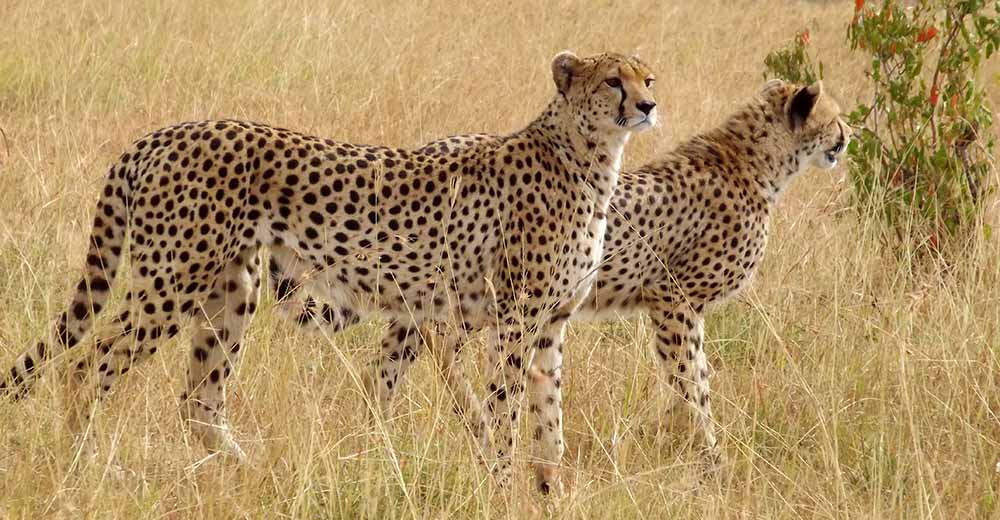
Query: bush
[921,154]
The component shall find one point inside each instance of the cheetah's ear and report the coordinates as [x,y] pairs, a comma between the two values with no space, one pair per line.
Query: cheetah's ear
[564,66]
[638,59]
[772,84]
[802,104]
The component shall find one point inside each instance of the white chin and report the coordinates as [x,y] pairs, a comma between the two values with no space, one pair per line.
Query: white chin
[645,123]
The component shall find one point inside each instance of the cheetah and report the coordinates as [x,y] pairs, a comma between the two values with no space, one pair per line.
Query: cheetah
[685,232]
[502,235]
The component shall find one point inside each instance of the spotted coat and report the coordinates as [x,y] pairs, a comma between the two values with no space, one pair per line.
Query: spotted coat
[685,232]
[501,235]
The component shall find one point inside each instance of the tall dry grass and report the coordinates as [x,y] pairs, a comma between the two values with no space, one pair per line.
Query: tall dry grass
[843,389]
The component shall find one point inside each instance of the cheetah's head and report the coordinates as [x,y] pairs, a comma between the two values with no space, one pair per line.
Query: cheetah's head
[608,93]
[813,118]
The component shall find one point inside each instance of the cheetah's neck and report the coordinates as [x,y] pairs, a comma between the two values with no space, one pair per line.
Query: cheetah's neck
[589,158]
[753,147]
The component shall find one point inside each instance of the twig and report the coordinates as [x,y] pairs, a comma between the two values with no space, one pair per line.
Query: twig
[6,143]
[962,145]
[958,21]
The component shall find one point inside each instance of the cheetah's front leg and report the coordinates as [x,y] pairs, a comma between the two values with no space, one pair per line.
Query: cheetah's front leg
[545,403]
[401,344]
[507,371]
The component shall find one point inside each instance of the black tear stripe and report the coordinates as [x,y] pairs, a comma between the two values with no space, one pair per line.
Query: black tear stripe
[621,106]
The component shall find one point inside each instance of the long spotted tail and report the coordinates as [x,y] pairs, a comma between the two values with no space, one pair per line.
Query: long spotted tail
[92,292]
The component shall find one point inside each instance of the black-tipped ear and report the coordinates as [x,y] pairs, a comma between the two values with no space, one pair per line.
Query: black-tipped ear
[564,67]
[802,104]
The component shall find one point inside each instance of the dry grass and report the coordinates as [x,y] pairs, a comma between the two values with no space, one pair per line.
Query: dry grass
[843,391]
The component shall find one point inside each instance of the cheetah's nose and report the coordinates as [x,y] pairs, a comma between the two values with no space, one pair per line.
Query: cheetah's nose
[645,106]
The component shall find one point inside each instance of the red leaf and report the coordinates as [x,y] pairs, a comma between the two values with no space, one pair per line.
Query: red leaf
[804,37]
[926,35]
[934,96]
[859,5]
[897,179]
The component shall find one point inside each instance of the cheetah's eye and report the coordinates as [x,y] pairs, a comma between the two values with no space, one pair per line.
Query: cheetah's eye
[613,82]
[649,82]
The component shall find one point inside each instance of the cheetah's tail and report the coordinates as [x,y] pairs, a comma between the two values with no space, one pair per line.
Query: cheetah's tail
[91,295]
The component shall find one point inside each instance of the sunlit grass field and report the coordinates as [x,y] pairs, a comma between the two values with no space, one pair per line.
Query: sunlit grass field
[843,387]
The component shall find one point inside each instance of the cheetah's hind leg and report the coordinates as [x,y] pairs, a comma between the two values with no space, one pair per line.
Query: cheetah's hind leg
[216,349]
[131,338]
[680,347]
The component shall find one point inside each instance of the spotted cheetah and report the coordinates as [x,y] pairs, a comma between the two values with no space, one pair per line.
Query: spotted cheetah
[501,235]
[685,232]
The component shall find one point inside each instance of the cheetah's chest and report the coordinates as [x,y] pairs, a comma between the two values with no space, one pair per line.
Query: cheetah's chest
[592,249]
